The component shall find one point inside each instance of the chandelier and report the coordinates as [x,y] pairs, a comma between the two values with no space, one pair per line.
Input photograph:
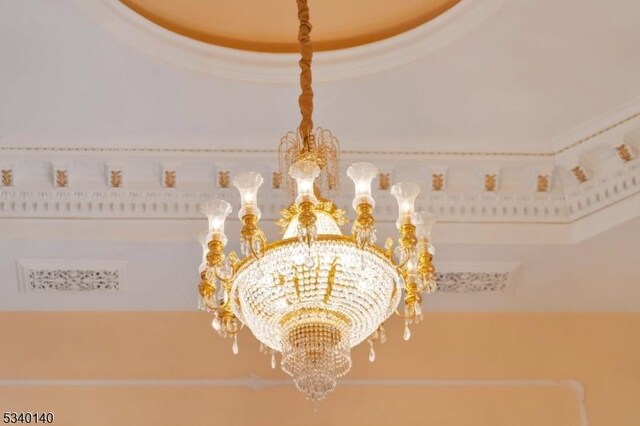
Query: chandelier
[315,293]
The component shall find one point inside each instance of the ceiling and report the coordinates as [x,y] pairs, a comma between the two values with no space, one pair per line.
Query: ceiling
[272,26]
[530,77]
[510,92]
[598,274]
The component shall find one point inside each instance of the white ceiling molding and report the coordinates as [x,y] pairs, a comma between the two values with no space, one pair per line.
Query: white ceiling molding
[463,201]
[608,126]
[69,276]
[354,62]
[171,184]
[614,130]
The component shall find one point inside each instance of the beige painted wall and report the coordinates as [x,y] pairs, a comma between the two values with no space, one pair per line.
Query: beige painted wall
[523,351]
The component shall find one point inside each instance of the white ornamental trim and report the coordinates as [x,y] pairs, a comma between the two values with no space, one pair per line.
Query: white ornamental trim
[163,204]
[477,278]
[603,191]
[70,275]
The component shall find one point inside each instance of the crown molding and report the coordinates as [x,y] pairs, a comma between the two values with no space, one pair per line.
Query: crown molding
[599,129]
[610,129]
[354,62]
[461,202]
[569,189]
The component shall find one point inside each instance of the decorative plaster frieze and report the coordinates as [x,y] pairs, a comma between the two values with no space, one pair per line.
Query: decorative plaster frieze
[60,177]
[437,174]
[384,181]
[490,278]
[626,152]
[580,173]
[470,189]
[184,203]
[69,276]
[115,176]
[7,177]
[276,180]
[224,179]
[603,191]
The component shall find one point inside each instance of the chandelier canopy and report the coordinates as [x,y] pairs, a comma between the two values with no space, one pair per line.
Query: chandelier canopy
[316,293]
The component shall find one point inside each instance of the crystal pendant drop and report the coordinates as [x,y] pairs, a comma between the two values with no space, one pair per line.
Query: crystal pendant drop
[234,347]
[257,247]
[224,270]
[372,353]
[273,360]
[383,335]
[407,332]
[216,323]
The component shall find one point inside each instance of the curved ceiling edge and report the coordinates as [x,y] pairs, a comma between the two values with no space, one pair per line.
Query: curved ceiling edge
[281,67]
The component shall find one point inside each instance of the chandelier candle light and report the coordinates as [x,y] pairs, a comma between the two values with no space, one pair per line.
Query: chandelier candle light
[316,293]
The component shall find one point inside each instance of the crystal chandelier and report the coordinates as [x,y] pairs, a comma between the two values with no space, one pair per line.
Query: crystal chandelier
[316,293]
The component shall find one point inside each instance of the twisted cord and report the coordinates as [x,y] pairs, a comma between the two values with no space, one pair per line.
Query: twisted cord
[305,100]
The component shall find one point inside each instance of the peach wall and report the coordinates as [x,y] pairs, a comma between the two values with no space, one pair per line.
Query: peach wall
[602,351]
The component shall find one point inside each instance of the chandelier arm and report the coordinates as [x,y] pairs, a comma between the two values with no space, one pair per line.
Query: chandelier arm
[305,100]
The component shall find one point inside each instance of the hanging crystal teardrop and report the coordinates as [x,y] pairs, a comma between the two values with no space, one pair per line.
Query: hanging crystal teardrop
[273,359]
[383,334]
[372,352]
[407,332]
[234,347]
[216,323]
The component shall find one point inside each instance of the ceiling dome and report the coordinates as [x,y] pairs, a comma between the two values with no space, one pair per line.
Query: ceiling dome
[271,26]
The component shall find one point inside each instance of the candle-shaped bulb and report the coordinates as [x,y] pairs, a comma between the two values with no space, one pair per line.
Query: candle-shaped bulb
[362,174]
[248,184]
[305,173]
[216,212]
[405,193]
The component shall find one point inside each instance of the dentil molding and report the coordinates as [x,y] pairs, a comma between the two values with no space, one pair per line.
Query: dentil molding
[83,189]
[576,186]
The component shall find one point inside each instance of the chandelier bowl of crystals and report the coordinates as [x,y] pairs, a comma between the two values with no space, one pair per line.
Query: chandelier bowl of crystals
[316,293]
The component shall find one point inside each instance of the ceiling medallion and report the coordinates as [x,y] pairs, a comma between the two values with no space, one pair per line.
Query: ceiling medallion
[316,293]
